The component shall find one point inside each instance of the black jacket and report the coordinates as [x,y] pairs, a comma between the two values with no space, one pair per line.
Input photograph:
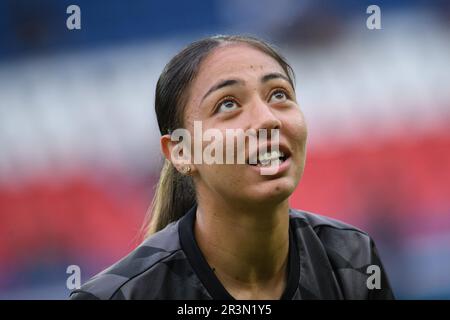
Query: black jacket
[327,260]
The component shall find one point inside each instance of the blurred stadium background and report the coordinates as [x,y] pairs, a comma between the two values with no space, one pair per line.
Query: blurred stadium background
[79,152]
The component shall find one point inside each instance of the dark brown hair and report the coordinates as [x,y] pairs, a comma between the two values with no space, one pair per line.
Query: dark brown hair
[175,193]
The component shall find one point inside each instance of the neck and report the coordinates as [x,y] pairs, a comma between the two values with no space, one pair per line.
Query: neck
[247,247]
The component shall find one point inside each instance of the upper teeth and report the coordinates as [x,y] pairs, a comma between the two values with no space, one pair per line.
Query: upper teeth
[267,157]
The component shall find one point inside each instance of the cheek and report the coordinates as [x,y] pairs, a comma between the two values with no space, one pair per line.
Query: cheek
[295,128]
[222,178]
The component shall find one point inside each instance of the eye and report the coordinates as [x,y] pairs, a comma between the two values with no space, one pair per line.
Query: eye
[279,95]
[227,105]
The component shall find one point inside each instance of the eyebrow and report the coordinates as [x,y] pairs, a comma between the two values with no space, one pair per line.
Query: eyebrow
[222,84]
[274,75]
[233,82]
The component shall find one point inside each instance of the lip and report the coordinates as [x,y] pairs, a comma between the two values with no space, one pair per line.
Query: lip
[281,147]
[275,171]
[280,169]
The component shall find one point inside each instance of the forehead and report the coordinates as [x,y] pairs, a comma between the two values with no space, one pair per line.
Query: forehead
[237,60]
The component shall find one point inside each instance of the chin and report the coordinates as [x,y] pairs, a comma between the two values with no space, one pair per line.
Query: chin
[272,192]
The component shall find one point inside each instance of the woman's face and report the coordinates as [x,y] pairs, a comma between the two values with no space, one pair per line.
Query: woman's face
[254,93]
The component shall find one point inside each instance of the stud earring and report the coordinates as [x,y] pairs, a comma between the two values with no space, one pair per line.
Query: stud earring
[186,170]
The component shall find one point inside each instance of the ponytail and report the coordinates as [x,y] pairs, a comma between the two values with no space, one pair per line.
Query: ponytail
[174,196]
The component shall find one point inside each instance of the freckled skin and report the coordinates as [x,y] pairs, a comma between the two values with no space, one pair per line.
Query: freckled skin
[239,182]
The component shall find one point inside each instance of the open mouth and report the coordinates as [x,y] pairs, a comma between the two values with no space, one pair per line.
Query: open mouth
[269,158]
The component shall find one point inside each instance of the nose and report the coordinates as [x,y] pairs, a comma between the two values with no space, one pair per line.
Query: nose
[263,117]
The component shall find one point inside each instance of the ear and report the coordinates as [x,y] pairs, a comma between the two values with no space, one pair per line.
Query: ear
[177,151]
